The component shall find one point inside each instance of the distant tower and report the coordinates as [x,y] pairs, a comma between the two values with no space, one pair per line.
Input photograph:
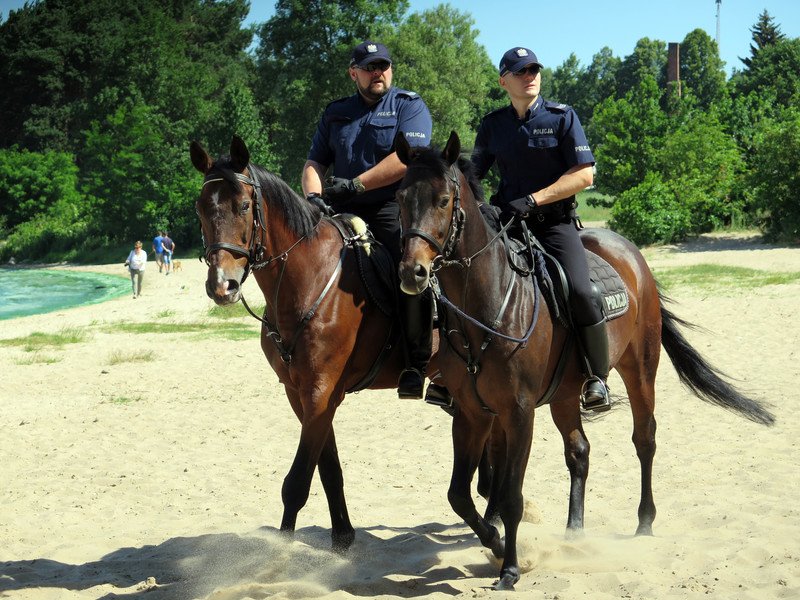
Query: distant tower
[719,8]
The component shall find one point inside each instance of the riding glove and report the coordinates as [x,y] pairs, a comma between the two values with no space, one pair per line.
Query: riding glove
[338,189]
[522,207]
[317,200]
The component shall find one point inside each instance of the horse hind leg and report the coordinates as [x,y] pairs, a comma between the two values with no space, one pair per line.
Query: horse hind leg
[638,374]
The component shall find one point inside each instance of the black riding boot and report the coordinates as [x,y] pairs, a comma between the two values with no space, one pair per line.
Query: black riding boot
[416,313]
[594,340]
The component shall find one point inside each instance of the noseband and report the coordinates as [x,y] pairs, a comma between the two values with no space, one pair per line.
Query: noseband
[456,223]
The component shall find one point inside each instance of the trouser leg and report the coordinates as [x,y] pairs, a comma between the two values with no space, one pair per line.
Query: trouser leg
[416,314]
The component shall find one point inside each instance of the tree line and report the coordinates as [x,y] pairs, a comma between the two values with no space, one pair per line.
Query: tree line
[103,97]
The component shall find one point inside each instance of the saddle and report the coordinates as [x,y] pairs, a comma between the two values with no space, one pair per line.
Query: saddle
[607,285]
[375,266]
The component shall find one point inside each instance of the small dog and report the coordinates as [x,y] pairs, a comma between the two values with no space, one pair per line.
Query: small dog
[176,266]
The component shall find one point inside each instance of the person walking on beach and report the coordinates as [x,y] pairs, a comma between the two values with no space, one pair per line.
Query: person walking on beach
[158,248]
[135,263]
[169,249]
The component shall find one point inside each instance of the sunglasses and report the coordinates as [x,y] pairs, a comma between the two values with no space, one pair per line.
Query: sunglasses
[531,70]
[376,66]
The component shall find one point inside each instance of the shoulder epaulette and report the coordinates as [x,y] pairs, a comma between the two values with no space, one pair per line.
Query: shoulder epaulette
[556,106]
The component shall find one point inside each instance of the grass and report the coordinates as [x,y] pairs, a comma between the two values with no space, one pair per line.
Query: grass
[123,400]
[234,312]
[231,331]
[588,208]
[117,357]
[717,277]
[165,314]
[38,340]
[37,358]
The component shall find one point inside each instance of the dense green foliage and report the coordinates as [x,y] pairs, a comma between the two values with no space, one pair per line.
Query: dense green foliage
[107,95]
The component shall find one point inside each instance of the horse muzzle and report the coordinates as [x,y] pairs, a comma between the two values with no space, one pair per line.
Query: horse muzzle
[414,277]
[224,288]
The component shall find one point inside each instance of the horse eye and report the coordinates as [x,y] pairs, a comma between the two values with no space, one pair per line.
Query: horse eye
[444,200]
[245,206]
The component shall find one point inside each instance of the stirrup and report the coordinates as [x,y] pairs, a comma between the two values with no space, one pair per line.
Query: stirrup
[438,395]
[410,384]
[597,404]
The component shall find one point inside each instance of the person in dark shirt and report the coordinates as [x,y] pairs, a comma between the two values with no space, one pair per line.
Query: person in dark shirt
[354,140]
[544,159]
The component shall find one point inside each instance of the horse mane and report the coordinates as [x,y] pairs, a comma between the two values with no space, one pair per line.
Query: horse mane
[430,158]
[300,217]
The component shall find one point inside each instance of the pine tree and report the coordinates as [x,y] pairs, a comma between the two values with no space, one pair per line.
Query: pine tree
[765,33]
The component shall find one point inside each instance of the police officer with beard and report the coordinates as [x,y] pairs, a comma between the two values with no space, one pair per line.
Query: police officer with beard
[354,139]
[544,159]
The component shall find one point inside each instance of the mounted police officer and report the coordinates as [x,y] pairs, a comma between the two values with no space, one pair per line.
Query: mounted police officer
[354,138]
[544,159]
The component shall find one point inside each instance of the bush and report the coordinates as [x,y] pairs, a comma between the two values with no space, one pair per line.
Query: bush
[650,213]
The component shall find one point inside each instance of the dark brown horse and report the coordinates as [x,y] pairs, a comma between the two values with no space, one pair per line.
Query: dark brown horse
[321,333]
[500,347]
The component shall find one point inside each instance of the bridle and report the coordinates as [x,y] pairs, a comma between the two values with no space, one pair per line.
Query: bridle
[453,231]
[254,253]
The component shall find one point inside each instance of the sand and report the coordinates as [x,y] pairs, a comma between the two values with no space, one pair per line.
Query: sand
[161,479]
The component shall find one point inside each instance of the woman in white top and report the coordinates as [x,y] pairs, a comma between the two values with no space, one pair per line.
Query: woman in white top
[135,263]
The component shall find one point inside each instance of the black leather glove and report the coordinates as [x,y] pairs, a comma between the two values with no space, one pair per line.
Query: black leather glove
[522,207]
[338,189]
[316,200]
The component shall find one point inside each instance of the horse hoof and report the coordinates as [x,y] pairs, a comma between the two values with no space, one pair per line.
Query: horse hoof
[506,582]
[342,541]
[644,530]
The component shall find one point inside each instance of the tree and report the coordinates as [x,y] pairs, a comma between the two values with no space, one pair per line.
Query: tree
[648,59]
[765,33]
[625,134]
[443,40]
[702,70]
[302,59]
[775,71]
[775,178]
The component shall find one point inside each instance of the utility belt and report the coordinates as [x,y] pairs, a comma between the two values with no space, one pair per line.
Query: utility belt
[556,211]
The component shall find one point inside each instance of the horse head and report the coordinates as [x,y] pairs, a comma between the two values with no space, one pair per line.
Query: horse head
[229,208]
[430,213]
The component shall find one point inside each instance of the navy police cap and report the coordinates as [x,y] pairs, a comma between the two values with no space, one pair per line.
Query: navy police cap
[369,52]
[516,59]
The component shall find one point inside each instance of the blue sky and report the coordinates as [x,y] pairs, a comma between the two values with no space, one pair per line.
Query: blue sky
[585,26]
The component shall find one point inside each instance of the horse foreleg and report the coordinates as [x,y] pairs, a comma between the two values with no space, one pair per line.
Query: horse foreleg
[330,472]
[519,433]
[567,418]
[495,454]
[297,483]
[469,440]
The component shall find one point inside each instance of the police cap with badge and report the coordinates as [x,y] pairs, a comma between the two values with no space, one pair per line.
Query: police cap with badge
[369,52]
[517,59]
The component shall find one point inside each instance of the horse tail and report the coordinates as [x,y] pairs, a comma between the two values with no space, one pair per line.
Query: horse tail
[700,377]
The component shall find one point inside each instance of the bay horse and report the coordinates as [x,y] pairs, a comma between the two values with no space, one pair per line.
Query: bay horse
[321,333]
[499,373]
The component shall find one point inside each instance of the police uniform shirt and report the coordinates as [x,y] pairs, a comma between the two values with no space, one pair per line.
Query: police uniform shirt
[532,152]
[354,137]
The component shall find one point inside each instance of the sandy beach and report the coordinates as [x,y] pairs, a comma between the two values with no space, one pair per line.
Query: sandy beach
[160,478]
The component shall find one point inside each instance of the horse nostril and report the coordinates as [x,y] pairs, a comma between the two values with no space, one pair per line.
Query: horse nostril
[233,286]
[420,272]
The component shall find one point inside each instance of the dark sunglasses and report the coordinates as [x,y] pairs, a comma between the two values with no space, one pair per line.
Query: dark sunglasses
[532,70]
[376,66]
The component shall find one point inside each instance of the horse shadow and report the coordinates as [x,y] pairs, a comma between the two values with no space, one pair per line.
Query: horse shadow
[384,560]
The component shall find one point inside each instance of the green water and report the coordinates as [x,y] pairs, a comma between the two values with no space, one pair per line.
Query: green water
[35,291]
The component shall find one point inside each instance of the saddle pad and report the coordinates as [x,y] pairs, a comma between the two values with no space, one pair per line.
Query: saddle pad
[610,286]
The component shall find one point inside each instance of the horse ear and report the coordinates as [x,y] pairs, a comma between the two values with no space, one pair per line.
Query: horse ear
[402,148]
[200,158]
[452,148]
[240,155]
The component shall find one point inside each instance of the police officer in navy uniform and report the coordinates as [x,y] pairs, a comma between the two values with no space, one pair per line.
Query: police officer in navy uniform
[354,139]
[544,159]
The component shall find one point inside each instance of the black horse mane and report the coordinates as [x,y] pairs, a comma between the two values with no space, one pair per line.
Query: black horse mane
[301,217]
[430,158]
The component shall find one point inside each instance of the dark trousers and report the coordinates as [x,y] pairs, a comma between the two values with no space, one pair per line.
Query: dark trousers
[560,239]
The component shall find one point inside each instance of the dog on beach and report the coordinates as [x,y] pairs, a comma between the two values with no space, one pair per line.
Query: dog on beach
[176,266]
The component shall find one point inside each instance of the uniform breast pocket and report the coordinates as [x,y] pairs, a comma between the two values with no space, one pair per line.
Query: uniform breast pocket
[540,142]
[383,133]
